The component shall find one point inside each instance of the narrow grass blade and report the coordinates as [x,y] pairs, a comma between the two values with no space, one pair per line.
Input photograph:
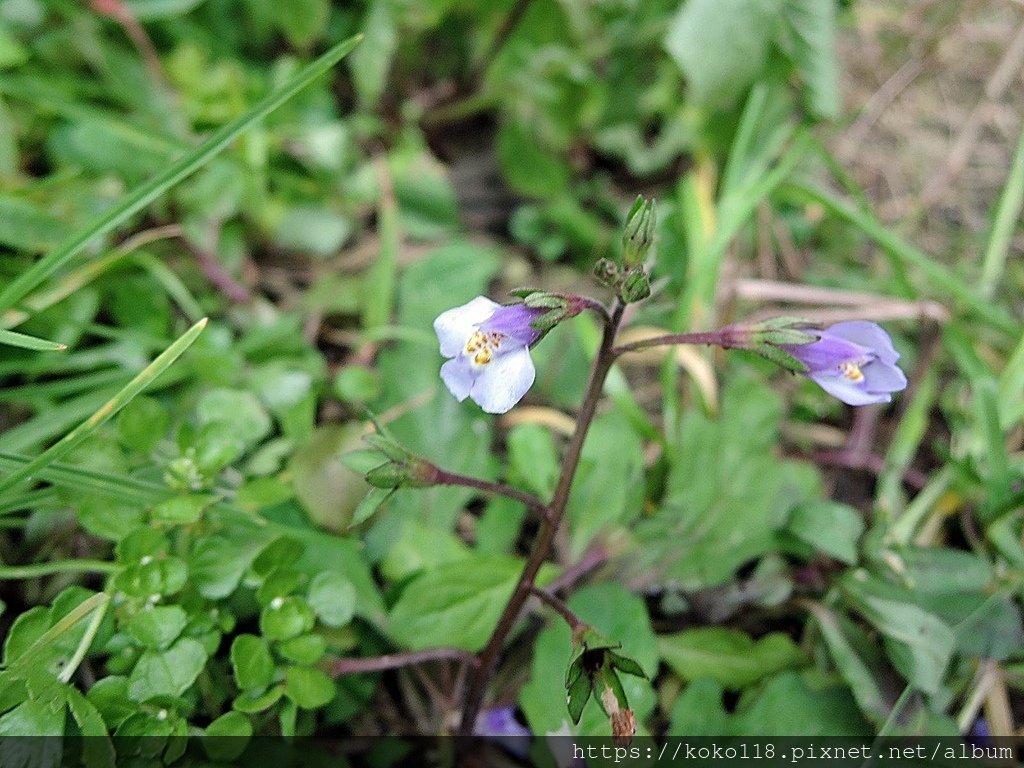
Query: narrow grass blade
[111,407]
[1007,213]
[12,339]
[147,192]
[379,286]
[906,257]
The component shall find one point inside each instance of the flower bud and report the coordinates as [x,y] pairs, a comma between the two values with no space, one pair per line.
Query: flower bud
[639,232]
[415,473]
[606,271]
[635,286]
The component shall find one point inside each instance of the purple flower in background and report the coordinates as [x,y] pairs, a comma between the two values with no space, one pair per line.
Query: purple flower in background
[852,361]
[500,724]
[489,349]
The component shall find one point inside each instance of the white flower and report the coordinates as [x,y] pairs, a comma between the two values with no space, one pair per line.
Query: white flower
[489,349]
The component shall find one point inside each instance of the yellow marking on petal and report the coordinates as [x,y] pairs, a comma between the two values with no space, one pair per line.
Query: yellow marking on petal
[482,346]
[851,371]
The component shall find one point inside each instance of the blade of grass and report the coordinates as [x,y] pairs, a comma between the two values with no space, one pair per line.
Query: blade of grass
[147,192]
[22,341]
[937,277]
[36,570]
[106,411]
[1011,384]
[1007,213]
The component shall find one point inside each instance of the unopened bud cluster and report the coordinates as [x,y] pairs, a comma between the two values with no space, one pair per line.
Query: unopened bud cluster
[630,280]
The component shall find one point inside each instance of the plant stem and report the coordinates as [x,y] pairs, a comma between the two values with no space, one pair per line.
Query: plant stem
[36,570]
[559,606]
[396,660]
[719,338]
[528,499]
[546,535]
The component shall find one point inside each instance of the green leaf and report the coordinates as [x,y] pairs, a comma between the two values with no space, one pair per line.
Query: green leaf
[32,718]
[308,687]
[919,644]
[608,488]
[456,604]
[829,527]
[305,21]
[286,617]
[157,627]
[533,458]
[721,45]
[252,663]
[110,696]
[227,737]
[811,28]
[333,598]
[787,705]
[306,650]
[216,566]
[858,661]
[149,191]
[12,339]
[371,62]
[28,228]
[253,701]
[167,673]
[328,490]
[282,552]
[529,167]
[181,510]
[731,657]
[727,494]
[97,749]
[239,411]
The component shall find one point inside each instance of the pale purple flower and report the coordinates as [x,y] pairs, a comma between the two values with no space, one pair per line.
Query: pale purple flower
[489,349]
[501,726]
[853,361]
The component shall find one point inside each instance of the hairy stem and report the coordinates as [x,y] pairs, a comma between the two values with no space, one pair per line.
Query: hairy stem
[720,338]
[397,660]
[558,605]
[531,502]
[546,535]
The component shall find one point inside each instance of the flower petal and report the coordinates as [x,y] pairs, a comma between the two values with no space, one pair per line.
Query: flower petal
[454,326]
[827,352]
[504,381]
[851,393]
[457,374]
[880,376]
[514,321]
[867,334]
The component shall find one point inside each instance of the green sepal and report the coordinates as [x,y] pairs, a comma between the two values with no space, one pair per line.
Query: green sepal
[626,665]
[578,694]
[607,679]
[782,358]
[389,447]
[545,301]
[522,293]
[635,286]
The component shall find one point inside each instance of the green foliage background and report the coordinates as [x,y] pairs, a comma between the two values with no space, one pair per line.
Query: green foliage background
[185,551]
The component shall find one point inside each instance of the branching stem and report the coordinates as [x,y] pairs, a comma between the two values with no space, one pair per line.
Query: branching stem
[545,536]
